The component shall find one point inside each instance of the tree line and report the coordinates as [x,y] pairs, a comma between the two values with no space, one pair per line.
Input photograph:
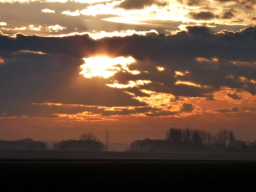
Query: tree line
[87,142]
[189,140]
[23,144]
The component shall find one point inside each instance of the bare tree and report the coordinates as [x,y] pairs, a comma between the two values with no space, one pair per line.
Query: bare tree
[174,134]
[88,136]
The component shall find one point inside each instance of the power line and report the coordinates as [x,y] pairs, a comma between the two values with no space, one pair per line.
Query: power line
[107,138]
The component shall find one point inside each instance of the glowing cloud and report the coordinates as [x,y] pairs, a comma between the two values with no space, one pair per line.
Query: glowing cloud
[158,100]
[106,67]
[32,27]
[33,52]
[55,28]
[188,83]
[1,61]
[3,23]
[48,11]
[201,59]
[57,1]
[160,68]
[130,84]
[98,35]
[90,1]
[178,73]
[75,13]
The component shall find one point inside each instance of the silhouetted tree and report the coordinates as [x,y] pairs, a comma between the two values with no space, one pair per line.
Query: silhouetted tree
[88,136]
[87,142]
[24,144]
[174,134]
[188,140]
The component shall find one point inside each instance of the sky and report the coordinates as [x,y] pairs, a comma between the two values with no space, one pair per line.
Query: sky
[133,67]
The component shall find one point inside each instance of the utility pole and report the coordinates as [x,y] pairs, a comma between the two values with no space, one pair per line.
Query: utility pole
[107,138]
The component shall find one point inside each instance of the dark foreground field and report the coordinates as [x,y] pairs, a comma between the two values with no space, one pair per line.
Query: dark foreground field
[144,174]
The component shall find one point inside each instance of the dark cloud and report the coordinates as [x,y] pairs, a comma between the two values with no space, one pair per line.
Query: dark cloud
[204,15]
[251,109]
[139,4]
[234,96]
[228,14]
[233,109]
[187,107]
[27,78]
[198,31]
[195,2]
[32,78]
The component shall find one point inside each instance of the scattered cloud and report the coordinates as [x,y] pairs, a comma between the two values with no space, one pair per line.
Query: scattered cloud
[3,23]
[48,11]
[135,4]
[231,110]
[55,28]
[1,61]
[204,15]
[74,13]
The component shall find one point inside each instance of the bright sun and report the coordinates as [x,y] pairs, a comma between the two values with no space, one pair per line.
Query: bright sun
[105,66]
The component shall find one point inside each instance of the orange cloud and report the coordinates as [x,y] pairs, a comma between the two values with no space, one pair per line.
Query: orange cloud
[1,60]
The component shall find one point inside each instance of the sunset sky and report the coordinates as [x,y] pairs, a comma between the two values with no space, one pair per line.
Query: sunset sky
[134,67]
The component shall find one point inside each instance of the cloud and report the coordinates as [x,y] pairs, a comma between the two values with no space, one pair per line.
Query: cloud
[250,109]
[187,108]
[48,11]
[135,4]
[234,96]
[75,13]
[231,110]
[1,61]
[28,77]
[204,15]
[228,14]
[3,23]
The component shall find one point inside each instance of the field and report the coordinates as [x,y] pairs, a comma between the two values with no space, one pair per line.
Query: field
[71,171]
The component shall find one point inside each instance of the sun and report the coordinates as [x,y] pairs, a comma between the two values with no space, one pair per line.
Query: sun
[106,67]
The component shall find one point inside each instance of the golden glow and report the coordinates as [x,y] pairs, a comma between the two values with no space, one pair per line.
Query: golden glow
[106,67]
[201,59]
[55,28]
[178,73]
[157,100]
[243,79]
[74,13]
[130,19]
[253,81]
[3,23]
[130,84]
[57,1]
[160,68]
[16,28]
[216,60]
[89,1]
[188,83]
[34,52]
[98,35]
[1,61]
[32,27]
[222,95]
[243,63]
[48,11]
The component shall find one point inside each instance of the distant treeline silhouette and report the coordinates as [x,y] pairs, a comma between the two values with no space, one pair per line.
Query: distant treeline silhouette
[87,142]
[23,144]
[189,140]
